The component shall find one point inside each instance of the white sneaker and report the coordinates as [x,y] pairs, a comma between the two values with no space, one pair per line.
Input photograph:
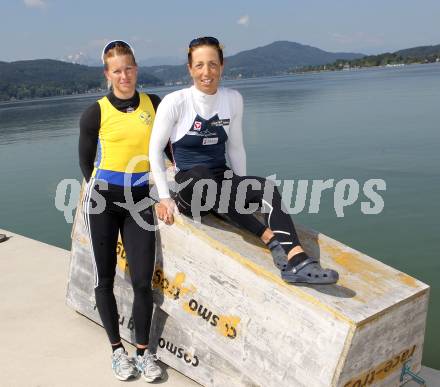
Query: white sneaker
[148,367]
[123,366]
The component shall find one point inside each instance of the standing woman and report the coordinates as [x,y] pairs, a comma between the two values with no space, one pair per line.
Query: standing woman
[117,129]
[204,124]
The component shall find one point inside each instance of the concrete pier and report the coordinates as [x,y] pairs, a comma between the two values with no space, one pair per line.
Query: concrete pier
[45,343]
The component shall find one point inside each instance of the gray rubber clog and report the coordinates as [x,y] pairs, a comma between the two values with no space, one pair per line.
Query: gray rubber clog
[309,272]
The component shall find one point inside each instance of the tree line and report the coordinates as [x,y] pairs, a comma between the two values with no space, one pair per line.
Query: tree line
[47,78]
[424,54]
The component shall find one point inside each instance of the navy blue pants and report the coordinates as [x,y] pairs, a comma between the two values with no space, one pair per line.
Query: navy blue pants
[229,201]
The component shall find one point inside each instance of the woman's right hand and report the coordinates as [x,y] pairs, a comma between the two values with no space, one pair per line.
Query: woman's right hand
[166,209]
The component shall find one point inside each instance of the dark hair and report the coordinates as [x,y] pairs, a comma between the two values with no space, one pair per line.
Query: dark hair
[205,41]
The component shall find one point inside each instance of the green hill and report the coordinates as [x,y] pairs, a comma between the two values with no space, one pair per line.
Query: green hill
[47,77]
[273,59]
[422,54]
[279,57]
[421,51]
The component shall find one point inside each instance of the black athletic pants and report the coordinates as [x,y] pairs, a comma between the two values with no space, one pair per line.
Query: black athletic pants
[139,245]
[224,192]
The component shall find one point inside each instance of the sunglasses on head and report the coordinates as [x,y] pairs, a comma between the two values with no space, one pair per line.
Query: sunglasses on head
[113,44]
[204,40]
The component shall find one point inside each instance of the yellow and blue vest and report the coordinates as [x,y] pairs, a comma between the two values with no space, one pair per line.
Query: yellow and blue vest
[123,140]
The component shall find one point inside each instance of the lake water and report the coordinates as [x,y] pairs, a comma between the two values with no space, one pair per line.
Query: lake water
[361,125]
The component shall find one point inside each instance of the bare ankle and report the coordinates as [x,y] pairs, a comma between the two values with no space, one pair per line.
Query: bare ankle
[294,251]
[267,235]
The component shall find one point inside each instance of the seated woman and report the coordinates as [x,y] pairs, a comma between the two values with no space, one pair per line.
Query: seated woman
[204,125]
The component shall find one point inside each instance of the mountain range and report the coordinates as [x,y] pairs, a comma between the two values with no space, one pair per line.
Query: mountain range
[273,59]
[85,59]
[47,77]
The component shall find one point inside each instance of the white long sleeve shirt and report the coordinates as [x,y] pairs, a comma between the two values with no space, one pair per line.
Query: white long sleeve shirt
[177,116]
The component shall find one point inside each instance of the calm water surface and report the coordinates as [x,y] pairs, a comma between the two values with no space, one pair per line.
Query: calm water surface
[381,123]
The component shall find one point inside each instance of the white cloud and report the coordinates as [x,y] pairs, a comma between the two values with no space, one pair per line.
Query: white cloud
[35,3]
[244,20]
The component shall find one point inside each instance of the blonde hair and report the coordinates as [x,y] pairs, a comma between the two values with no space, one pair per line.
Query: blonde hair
[120,48]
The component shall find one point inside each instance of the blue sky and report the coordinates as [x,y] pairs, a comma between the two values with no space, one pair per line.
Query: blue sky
[57,28]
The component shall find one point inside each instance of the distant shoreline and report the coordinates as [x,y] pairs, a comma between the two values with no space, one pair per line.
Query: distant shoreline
[102,92]
[359,68]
